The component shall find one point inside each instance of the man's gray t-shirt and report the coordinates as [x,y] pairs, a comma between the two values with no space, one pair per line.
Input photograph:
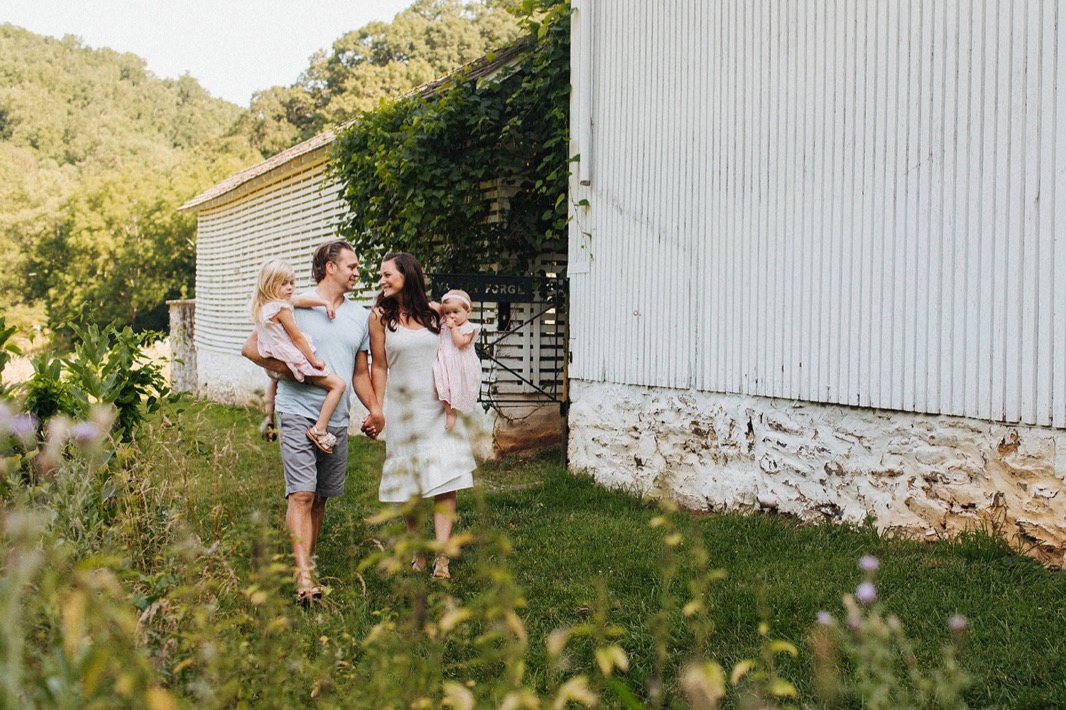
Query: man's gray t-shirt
[336,341]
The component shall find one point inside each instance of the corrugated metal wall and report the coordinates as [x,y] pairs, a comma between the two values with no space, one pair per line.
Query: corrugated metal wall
[287,219]
[850,201]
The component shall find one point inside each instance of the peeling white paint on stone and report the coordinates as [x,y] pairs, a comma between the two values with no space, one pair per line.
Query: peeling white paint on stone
[928,475]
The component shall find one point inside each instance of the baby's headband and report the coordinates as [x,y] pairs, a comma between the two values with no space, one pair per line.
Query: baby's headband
[457,296]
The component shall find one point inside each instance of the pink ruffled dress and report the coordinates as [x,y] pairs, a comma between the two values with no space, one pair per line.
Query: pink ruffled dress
[457,372]
[275,342]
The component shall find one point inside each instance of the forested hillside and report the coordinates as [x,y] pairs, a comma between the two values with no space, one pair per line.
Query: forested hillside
[97,153]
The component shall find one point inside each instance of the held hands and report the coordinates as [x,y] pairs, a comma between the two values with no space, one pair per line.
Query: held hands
[373,425]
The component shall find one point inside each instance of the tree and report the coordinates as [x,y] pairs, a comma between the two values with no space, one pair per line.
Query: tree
[414,171]
[381,61]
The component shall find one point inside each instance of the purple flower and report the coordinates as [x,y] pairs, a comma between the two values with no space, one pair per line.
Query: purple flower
[957,623]
[866,593]
[23,425]
[824,618]
[84,432]
[869,563]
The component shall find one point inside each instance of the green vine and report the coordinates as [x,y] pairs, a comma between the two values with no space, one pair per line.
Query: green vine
[414,171]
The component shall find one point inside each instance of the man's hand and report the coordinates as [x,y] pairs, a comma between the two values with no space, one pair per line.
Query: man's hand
[373,424]
[250,350]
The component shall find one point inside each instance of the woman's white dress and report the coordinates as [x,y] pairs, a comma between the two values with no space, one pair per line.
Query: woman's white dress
[422,458]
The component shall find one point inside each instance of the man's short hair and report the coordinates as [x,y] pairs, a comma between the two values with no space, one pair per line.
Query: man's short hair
[326,253]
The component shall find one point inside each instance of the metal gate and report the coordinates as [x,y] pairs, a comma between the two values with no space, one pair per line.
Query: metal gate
[523,339]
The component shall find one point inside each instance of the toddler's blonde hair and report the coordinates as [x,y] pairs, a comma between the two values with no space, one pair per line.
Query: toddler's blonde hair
[273,274]
[457,294]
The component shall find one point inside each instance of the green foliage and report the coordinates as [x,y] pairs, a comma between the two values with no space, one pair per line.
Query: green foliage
[176,589]
[379,61]
[108,367]
[48,393]
[7,349]
[96,154]
[415,171]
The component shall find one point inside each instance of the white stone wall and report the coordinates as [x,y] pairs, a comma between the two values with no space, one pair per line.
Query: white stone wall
[229,378]
[926,475]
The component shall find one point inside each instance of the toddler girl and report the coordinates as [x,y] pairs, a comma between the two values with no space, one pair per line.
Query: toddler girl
[280,338]
[457,370]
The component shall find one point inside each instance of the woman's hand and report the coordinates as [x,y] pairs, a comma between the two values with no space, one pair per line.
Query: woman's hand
[317,363]
[373,424]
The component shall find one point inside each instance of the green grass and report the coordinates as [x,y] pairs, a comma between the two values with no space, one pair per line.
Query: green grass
[572,539]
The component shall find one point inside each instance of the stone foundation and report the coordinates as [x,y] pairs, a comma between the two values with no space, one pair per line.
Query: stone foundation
[930,476]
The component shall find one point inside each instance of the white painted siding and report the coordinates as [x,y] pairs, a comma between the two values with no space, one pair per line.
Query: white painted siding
[287,219]
[834,201]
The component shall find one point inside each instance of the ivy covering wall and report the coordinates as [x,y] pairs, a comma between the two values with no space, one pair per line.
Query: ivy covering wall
[415,171]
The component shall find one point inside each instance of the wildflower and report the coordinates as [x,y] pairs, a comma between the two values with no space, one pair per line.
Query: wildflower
[85,432]
[23,425]
[824,618]
[866,593]
[957,623]
[869,563]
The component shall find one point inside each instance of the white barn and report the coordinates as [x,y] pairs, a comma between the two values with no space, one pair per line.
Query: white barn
[816,259]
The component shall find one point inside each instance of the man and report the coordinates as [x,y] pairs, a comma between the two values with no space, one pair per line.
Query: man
[311,476]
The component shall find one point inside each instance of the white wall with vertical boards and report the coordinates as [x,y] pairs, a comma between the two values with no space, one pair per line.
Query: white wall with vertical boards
[286,220]
[836,201]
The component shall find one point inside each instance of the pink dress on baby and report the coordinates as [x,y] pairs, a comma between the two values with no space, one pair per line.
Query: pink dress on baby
[457,372]
[275,342]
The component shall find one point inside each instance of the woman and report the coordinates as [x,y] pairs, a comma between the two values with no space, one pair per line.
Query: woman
[422,456]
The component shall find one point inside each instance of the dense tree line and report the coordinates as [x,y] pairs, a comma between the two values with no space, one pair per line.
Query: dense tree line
[97,153]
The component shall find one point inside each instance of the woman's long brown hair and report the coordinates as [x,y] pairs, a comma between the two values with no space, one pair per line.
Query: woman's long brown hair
[413,295]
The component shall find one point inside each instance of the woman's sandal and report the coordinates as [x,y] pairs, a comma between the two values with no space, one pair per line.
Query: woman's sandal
[267,429]
[418,563]
[440,568]
[324,441]
[307,593]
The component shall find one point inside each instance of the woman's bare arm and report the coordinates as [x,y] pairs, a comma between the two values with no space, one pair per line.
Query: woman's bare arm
[379,366]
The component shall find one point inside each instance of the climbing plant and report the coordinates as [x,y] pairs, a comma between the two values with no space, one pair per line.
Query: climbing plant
[415,171]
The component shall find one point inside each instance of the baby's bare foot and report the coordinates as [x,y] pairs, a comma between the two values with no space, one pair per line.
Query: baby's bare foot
[449,420]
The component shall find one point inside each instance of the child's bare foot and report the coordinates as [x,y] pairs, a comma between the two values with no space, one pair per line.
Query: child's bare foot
[449,419]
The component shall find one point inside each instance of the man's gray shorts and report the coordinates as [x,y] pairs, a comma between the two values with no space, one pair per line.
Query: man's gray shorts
[306,467]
